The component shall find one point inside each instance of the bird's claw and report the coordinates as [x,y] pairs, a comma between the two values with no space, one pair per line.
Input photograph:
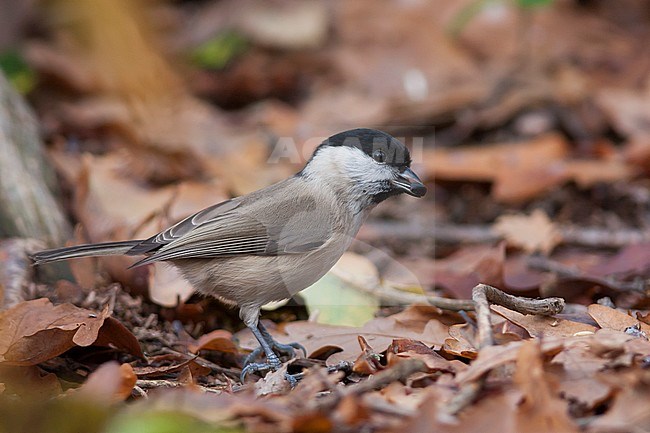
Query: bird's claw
[272,363]
[254,368]
[292,379]
[289,348]
[271,349]
[286,349]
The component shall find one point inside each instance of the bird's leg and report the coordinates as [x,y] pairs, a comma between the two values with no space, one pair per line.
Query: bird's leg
[287,349]
[272,360]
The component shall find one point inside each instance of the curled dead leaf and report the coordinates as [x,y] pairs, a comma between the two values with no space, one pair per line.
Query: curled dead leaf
[404,348]
[35,331]
[368,361]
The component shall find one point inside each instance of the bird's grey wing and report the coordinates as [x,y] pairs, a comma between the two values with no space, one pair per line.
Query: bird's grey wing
[266,228]
[183,227]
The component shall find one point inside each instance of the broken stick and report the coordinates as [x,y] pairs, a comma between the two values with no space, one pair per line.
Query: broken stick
[483,295]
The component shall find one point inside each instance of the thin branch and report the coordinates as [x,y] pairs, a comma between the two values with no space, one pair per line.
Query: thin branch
[548,306]
[400,372]
[228,372]
[483,295]
[145,384]
[540,307]
[480,298]
[451,233]
[406,298]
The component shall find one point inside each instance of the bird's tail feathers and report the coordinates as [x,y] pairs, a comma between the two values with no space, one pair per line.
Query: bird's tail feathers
[89,250]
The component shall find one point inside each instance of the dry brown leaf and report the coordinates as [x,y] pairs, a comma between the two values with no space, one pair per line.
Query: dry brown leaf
[460,342]
[519,185]
[590,392]
[219,340]
[578,380]
[609,318]
[35,331]
[468,266]
[587,173]
[627,110]
[352,411]
[111,383]
[630,260]
[495,356]
[541,410]
[544,326]
[579,359]
[534,232]
[404,348]
[480,417]
[29,382]
[162,365]
[521,171]
[629,410]
[489,163]
[368,362]
[339,343]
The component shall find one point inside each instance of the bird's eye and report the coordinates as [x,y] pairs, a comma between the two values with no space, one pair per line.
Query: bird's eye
[379,155]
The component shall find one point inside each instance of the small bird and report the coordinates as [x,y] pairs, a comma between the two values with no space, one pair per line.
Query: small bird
[272,243]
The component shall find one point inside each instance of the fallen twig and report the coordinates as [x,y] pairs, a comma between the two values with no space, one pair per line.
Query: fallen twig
[450,233]
[543,307]
[548,306]
[145,384]
[228,372]
[482,296]
[406,298]
[399,372]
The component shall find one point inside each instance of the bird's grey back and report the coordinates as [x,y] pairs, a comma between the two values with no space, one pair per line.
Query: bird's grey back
[289,217]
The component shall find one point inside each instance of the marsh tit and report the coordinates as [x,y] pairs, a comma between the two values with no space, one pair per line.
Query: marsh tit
[272,243]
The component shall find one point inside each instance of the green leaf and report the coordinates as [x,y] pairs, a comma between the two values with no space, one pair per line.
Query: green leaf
[527,4]
[18,72]
[337,296]
[217,52]
[164,422]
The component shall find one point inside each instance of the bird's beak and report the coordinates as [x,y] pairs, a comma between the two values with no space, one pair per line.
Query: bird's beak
[409,182]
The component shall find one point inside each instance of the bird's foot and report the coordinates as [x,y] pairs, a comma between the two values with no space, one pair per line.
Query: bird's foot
[272,363]
[283,349]
[289,348]
[272,349]
[292,379]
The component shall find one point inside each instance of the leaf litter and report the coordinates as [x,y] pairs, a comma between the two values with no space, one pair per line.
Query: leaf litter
[541,149]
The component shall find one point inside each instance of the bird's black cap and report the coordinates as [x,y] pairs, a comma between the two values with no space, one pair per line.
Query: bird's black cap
[370,141]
